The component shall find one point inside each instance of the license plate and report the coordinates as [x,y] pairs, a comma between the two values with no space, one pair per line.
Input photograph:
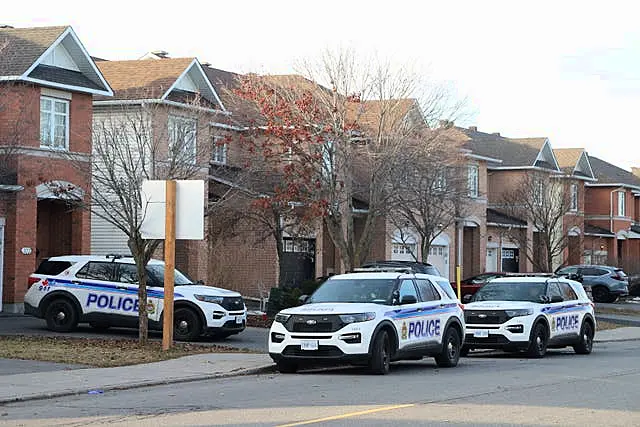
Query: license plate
[309,345]
[239,320]
[481,333]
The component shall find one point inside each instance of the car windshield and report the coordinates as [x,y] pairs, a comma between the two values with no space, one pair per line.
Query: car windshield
[377,291]
[157,271]
[511,291]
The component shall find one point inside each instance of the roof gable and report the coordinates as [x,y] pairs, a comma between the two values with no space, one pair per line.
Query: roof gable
[574,162]
[546,159]
[193,79]
[50,56]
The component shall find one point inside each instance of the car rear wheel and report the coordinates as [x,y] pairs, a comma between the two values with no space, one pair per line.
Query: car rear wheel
[61,315]
[450,349]
[538,343]
[602,294]
[186,324]
[586,339]
[380,362]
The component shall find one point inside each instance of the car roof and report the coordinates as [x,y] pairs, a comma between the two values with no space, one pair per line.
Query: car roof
[384,275]
[102,258]
[527,279]
[590,265]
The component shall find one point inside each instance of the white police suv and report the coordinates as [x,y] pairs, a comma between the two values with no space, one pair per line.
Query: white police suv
[371,317]
[530,314]
[103,291]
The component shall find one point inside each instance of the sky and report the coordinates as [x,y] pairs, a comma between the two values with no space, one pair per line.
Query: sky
[566,70]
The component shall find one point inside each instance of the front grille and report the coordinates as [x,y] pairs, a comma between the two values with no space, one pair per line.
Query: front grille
[322,351]
[231,324]
[232,303]
[491,339]
[485,317]
[314,323]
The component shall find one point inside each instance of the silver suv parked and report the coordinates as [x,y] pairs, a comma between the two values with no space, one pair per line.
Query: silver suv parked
[607,283]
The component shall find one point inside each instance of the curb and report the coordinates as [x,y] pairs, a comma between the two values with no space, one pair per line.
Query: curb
[140,384]
[620,340]
[619,319]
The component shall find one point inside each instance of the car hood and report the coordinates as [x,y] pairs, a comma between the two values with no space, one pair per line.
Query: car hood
[500,305]
[205,290]
[334,308]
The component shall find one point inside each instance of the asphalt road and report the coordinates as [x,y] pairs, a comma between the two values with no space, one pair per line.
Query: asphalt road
[601,389]
[251,338]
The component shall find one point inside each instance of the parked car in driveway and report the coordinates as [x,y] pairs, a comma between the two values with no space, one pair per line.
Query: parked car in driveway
[607,283]
[471,285]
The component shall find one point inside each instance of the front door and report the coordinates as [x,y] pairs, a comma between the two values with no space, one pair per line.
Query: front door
[510,260]
[408,317]
[492,260]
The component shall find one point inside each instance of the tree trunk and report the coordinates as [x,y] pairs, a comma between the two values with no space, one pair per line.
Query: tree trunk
[137,247]
[278,235]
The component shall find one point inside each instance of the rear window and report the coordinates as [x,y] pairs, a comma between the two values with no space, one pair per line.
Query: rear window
[620,272]
[52,268]
[446,287]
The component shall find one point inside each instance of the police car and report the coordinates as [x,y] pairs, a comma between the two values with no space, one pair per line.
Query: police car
[530,314]
[103,291]
[371,317]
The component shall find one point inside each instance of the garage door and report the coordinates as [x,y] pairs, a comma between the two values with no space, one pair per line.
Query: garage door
[439,257]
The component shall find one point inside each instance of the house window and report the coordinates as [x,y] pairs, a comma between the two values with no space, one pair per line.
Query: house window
[473,180]
[182,139]
[574,197]
[404,248]
[219,151]
[621,208]
[538,192]
[54,123]
[440,181]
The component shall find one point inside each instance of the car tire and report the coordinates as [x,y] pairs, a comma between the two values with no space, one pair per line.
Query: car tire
[538,341]
[99,326]
[61,315]
[380,361]
[286,367]
[585,345]
[601,294]
[186,324]
[450,349]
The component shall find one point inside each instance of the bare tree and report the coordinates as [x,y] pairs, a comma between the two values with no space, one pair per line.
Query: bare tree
[541,201]
[134,143]
[429,188]
[335,144]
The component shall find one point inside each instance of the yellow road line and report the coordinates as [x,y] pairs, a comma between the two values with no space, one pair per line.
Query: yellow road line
[348,415]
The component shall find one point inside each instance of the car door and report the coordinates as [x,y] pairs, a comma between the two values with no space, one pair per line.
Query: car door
[128,282]
[97,293]
[574,310]
[435,315]
[408,318]
[562,319]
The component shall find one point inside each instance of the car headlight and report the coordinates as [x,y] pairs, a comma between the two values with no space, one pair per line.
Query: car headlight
[518,313]
[209,298]
[282,318]
[358,317]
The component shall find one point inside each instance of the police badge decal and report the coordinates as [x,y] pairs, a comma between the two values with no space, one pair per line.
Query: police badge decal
[404,330]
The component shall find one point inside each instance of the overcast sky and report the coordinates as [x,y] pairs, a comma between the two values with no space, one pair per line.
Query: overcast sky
[562,69]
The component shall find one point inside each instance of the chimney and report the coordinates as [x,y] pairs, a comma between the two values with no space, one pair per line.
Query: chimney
[206,64]
[446,124]
[473,128]
[160,53]
[635,171]
[5,26]
[496,133]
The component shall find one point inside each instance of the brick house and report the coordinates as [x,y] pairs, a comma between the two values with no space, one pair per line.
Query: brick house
[47,82]
[612,214]
[183,109]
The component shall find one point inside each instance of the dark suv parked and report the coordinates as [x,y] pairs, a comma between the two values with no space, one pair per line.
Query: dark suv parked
[607,283]
[417,267]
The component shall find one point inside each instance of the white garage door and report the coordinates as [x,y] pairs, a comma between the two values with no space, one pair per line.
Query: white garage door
[439,257]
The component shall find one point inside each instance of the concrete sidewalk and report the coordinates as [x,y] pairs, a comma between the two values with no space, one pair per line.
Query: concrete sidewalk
[42,385]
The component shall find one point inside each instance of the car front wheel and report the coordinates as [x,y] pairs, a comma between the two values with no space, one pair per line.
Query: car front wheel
[380,362]
[538,344]
[186,324]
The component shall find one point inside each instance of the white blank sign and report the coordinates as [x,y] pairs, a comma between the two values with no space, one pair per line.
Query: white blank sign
[189,209]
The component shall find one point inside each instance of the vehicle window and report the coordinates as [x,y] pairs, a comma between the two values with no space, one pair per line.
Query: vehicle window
[156,276]
[96,271]
[447,289]
[379,291]
[620,272]
[592,271]
[567,292]
[127,273]
[568,270]
[554,290]
[52,268]
[427,291]
[510,291]
[408,288]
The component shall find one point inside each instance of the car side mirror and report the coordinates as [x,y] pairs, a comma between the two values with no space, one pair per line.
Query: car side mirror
[303,299]
[467,298]
[408,299]
[556,298]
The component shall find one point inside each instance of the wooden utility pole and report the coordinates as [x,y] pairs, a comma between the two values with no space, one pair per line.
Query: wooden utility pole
[169,264]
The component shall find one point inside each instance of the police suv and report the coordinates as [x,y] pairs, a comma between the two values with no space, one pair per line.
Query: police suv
[371,317]
[530,314]
[103,291]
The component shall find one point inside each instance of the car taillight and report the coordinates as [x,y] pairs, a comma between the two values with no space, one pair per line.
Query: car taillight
[617,277]
[33,280]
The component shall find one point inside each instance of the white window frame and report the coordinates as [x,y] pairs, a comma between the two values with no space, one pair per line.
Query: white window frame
[621,203]
[538,192]
[171,128]
[473,172]
[52,115]
[219,151]
[574,198]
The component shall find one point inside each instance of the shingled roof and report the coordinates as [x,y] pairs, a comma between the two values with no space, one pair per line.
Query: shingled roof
[21,47]
[607,173]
